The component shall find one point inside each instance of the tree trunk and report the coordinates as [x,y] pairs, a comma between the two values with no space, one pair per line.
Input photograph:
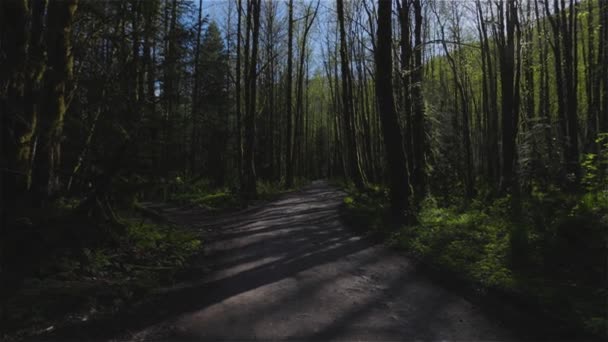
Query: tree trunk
[288,104]
[195,89]
[249,174]
[510,95]
[393,141]
[347,105]
[418,126]
[58,74]
[239,129]
[603,62]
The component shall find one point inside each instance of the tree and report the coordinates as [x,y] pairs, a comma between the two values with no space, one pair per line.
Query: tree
[288,99]
[354,163]
[249,175]
[393,141]
[508,31]
[239,129]
[57,75]
[418,127]
[213,102]
[195,88]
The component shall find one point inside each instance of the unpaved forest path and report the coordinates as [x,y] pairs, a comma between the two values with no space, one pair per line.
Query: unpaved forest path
[290,269]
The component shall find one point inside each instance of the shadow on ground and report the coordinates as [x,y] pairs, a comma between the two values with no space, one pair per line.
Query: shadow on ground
[290,269]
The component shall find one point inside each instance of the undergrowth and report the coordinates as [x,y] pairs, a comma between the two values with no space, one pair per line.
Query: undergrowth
[214,199]
[62,269]
[554,254]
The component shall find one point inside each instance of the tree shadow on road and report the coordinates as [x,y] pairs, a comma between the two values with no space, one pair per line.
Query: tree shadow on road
[293,243]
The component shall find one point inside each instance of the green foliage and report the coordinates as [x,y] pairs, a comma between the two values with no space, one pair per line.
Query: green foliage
[203,194]
[595,166]
[474,242]
[561,237]
[161,246]
[366,210]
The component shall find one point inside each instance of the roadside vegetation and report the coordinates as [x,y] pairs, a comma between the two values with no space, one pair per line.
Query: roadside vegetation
[215,199]
[551,255]
[65,267]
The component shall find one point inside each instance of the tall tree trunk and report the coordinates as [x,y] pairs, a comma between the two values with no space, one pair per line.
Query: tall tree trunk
[59,72]
[603,62]
[405,44]
[569,36]
[195,89]
[510,90]
[288,104]
[490,103]
[555,23]
[592,82]
[23,66]
[249,173]
[347,105]
[418,126]
[393,141]
[239,129]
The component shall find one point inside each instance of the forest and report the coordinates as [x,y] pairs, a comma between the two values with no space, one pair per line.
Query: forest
[471,135]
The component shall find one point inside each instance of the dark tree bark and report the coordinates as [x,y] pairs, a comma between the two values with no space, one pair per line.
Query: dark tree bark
[418,127]
[393,141]
[58,74]
[405,44]
[491,156]
[592,82]
[603,62]
[195,89]
[509,81]
[23,60]
[354,163]
[569,36]
[239,128]
[288,105]
[249,189]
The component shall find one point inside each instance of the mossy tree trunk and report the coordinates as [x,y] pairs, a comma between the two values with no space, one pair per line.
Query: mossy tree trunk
[58,74]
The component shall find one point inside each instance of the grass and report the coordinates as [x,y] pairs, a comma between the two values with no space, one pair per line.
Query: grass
[554,255]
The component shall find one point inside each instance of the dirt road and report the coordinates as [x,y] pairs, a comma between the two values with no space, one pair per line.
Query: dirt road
[290,269]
